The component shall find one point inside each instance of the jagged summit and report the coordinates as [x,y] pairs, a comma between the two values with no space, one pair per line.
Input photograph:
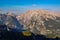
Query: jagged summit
[37,11]
[42,12]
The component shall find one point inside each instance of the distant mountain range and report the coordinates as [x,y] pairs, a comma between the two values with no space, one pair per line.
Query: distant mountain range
[37,21]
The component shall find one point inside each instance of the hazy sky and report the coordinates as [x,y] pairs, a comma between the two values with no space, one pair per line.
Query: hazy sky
[19,6]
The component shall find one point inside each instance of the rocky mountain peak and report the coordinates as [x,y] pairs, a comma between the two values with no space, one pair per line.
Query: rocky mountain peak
[42,21]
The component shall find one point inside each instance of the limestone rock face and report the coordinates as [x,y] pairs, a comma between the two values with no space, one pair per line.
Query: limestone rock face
[40,21]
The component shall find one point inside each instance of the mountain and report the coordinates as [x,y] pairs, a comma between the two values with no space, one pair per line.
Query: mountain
[41,21]
[36,21]
[11,22]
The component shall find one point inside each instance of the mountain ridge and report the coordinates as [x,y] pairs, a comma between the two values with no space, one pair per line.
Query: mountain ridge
[38,21]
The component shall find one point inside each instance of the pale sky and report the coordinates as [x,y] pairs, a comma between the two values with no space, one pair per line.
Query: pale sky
[20,6]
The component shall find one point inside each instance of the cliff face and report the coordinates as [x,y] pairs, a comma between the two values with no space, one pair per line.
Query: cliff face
[40,21]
